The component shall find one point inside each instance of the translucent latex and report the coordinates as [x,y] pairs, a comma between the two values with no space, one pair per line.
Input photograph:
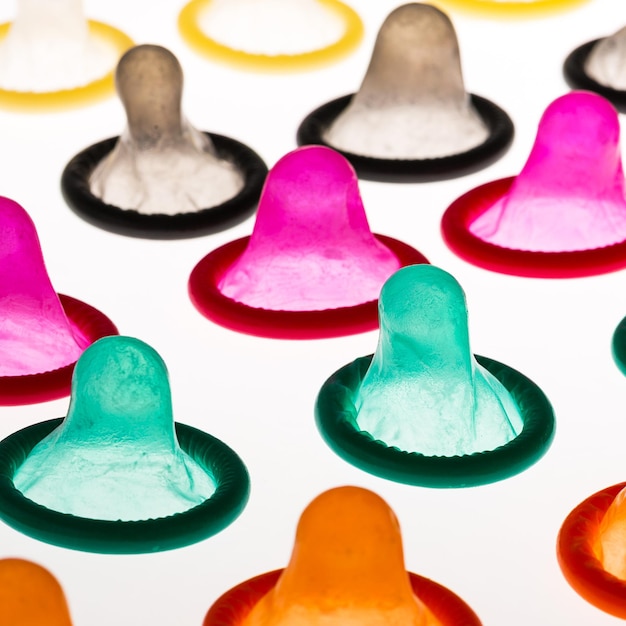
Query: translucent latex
[161,164]
[49,48]
[272,27]
[606,62]
[412,103]
[346,569]
[570,194]
[35,334]
[30,596]
[424,391]
[115,456]
[311,247]
[610,546]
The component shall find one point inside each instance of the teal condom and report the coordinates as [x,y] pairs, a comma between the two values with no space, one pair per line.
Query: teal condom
[424,390]
[423,409]
[116,457]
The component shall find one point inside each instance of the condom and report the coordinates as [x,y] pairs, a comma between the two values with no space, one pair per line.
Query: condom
[117,474]
[564,215]
[591,549]
[512,8]
[347,567]
[412,119]
[279,35]
[423,410]
[31,595]
[42,333]
[161,178]
[598,66]
[52,57]
[311,268]
[618,346]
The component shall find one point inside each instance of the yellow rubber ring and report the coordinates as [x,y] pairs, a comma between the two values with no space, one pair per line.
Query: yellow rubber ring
[188,25]
[513,8]
[77,96]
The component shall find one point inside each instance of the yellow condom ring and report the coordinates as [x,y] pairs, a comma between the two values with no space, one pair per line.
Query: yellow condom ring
[77,96]
[514,8]
[189,27]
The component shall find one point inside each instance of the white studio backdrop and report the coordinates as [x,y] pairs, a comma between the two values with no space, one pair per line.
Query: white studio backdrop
[493,545]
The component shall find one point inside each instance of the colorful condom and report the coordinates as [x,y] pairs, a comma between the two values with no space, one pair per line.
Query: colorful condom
[512,8]
[412,118]
[598,66]
[312,268]
[50,56]
[564,215]
[592,549]
[281,35]
[423,410]
[347,569]
[117,475]
[619,346]
[42,334]
[162,178]
[31,596]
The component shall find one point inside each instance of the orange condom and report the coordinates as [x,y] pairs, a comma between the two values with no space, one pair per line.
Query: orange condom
[30,594]
[591,549]
[347,569]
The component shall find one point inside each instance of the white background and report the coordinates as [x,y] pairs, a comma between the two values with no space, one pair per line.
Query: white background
[493,545]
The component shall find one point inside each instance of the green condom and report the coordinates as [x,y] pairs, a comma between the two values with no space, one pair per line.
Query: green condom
[423,409]
[424,390]
[116,456]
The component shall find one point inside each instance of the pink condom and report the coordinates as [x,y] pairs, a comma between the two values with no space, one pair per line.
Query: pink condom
[41,334]
[312,267]
[564,215]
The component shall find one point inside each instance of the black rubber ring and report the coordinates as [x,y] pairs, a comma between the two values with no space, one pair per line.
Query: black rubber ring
[577,78]
[78,195]
[501,131]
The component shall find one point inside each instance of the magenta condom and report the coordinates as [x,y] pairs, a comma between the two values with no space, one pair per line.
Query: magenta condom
[564,215]
[311,268]
[42,334]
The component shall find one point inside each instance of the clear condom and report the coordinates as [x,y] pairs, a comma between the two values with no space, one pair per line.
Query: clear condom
[412,103]
[161,164]
[51,56]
